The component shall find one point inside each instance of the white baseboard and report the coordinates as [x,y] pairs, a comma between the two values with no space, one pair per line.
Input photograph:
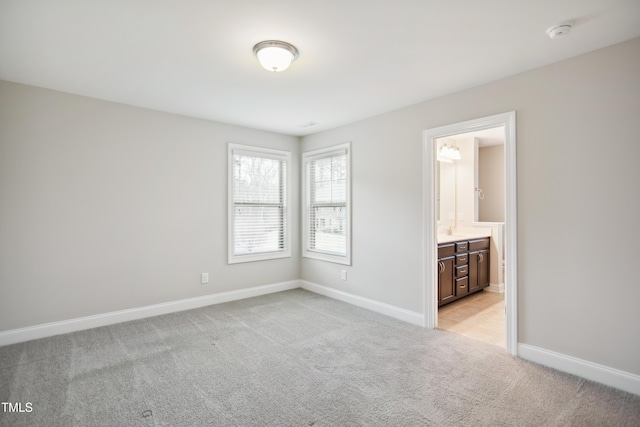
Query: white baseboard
[369,304]
[493,287]
[55,328]
[592,371]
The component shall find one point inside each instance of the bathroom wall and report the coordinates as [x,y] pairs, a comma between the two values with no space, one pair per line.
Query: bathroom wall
[491,181]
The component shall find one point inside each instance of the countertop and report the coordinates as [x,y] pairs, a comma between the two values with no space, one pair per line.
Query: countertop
[444,238]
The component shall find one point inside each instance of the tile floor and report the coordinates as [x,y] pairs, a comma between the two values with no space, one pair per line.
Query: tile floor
[480,316]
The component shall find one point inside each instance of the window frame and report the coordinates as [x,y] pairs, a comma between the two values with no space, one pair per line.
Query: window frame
[267,153]
[307,157]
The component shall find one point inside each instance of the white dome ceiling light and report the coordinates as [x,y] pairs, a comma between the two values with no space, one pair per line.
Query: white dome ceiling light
[559,31]
[275,55]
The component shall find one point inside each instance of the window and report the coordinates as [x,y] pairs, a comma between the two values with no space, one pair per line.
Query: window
[258,203]
[327,210]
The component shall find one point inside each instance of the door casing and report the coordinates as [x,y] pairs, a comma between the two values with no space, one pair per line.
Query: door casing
[430,278]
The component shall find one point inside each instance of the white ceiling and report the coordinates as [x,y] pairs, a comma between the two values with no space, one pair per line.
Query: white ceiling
[358,58]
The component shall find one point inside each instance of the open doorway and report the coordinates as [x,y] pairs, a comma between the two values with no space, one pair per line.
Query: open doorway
[470,248]
[470,203]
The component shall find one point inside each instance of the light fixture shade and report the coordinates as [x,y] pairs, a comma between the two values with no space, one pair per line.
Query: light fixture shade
[454,153]
[275,55]
[448,154]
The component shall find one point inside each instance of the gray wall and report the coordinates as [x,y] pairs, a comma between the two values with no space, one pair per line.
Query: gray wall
[578,291]
[106,207]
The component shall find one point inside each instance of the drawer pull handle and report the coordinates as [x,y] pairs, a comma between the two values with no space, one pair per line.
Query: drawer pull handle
[461,286]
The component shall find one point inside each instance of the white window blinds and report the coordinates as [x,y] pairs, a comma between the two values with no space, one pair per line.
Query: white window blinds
[327,219]
[258,204]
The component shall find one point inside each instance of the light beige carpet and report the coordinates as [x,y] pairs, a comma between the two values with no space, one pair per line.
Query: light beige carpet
[291,359]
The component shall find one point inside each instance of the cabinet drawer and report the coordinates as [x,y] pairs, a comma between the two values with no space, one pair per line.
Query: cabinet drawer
[462,259]
[462,286]
[474,245]
[446,250]
[461,271]
[462,247]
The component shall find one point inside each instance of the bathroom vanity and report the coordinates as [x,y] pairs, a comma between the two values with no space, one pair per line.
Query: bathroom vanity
[463,267]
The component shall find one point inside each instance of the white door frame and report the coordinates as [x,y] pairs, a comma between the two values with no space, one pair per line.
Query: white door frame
[430,278]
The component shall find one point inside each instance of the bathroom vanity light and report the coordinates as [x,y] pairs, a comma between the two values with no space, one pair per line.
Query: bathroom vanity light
[448,154]
[454,153]
[442,158]
[275,55]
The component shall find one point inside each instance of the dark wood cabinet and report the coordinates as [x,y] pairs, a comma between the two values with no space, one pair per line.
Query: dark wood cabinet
[446,290]
[478,270]
[463,268]
[478,264]
[462,286]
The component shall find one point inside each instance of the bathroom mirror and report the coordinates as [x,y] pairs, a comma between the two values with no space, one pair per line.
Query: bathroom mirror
[446,194]
[471,189]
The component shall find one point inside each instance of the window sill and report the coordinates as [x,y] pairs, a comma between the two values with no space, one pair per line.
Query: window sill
[337,259]
[239,259]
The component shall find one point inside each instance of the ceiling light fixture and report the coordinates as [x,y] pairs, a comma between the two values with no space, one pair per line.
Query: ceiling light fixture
[275,55]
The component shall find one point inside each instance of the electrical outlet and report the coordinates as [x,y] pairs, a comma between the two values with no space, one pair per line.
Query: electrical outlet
[460,216]
[343,274]
[204,278]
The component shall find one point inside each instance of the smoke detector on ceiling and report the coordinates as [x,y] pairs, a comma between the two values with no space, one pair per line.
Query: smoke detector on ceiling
[559,31]
[308,124]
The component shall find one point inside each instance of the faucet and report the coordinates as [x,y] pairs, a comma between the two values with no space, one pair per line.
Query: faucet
[449,231]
